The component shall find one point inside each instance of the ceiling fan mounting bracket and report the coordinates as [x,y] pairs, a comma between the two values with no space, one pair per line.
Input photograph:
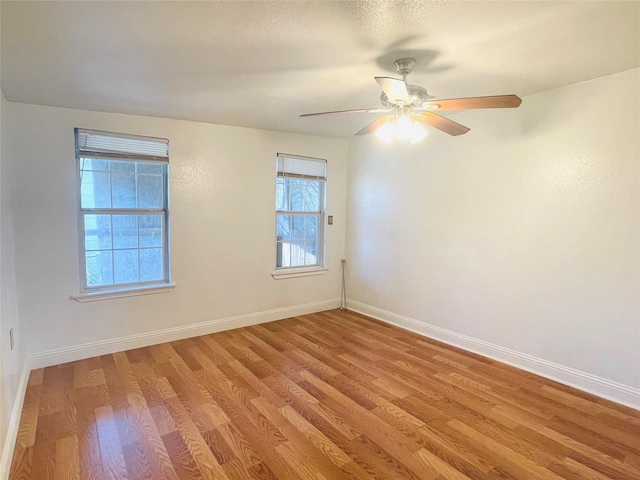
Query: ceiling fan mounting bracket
[404,66]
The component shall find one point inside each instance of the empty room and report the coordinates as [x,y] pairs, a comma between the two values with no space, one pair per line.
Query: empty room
[320,240]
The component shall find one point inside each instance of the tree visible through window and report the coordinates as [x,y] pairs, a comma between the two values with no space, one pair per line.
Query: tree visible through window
[123,210]
[300,192]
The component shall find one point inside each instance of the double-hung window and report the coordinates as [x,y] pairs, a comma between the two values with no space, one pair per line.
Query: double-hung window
[123,212]
[300,211]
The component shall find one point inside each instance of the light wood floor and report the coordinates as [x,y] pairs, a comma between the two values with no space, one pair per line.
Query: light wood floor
[326,396]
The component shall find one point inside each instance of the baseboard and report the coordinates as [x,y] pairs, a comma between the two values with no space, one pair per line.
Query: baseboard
[14,421]
[601,387]
[105,347]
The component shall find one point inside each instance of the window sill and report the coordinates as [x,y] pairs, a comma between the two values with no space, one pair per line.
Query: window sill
[123,292]
[283,273]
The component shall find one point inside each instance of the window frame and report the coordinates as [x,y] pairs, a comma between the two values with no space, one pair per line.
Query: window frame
[320,266]
[88,293]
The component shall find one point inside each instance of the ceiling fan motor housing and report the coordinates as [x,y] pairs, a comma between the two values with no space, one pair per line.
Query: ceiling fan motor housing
[417,95]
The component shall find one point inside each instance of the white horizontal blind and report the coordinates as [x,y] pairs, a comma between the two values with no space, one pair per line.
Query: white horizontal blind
[301,167]
[91,143]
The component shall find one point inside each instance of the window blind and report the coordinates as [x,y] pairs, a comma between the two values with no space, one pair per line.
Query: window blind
[301,167]
[95,144]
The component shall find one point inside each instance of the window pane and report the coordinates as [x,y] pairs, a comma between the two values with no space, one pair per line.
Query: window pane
[99,268]
[297,244]
[150,191]
[283,229]
[150,230]
[312,196]
[280,194]
[284,254]
[95,191]
[297,254]
[123,167]
[151,267]
[123,190]
[311,227]
[279,257]
[125,231]
[125,266]
[297,232]
[95,165]
[296,194]
[310,250]
[97,232]
[148,167]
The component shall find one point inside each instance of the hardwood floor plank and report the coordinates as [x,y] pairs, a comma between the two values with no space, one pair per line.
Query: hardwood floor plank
[319,439]
[195,444]
[110,446]
[511,460]
[181,458]
[326,396]
[235,471]
[44,462]
[301,446]
[240,446]
[443,469]
[22,464]
[67,465]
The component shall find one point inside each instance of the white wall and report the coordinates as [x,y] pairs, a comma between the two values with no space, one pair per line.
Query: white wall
[523,233]
[11,361]
[222,226]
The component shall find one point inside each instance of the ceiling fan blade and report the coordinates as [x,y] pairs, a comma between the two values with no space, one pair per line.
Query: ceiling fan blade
[373,126]
[441,123]
[362,110]
[498,101]
[395,89]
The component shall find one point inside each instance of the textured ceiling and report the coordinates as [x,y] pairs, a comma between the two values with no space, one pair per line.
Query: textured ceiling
[261,64]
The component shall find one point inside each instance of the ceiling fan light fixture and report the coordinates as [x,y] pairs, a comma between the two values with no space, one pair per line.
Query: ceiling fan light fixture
[418,132]
[404,127]
[386,132]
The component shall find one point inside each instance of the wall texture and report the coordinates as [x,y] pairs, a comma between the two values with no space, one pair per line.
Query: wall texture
[523,233]
[222,227]
[11,361]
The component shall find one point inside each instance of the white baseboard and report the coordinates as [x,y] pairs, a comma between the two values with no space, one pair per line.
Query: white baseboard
[601,387]
[14,422]
[105,347]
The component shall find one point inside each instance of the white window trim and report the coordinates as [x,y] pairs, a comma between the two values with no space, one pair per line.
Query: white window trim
[293,272]
[130,291]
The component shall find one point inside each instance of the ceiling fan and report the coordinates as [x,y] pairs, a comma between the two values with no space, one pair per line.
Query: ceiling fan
[410,107]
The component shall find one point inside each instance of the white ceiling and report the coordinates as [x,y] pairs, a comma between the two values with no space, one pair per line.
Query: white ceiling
[262,64]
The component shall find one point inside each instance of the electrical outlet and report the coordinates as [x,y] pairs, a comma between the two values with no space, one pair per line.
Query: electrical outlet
[11,337]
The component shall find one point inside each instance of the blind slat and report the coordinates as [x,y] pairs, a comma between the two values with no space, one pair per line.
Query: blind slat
[302,167]
[91,142]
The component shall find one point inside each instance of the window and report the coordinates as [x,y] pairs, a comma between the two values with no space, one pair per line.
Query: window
[300,207]
[123,211]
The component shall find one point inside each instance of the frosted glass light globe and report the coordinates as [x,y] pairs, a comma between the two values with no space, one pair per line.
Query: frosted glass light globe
[403,128]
